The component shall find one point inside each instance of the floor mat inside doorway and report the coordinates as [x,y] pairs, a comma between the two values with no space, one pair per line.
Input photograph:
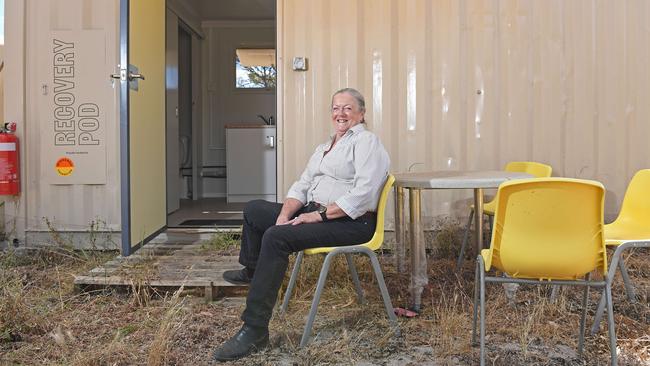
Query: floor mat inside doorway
[213,222]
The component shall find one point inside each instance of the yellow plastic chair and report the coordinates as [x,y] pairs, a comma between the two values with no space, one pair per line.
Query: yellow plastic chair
[367,248]
[547,231]
[535,169]
[631,229]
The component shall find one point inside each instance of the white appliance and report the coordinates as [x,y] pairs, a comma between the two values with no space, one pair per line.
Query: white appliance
[250,163]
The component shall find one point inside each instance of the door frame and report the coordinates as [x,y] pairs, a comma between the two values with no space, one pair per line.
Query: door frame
[125,166]
[279,101]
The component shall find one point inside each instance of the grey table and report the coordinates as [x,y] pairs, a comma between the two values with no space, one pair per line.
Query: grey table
[414,183]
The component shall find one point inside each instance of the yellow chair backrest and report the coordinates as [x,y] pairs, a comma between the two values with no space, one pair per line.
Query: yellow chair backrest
[535,169]
[548,228]
[633,221]
[378,237]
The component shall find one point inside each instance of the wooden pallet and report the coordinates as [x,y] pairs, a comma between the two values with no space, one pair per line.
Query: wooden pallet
[168,264]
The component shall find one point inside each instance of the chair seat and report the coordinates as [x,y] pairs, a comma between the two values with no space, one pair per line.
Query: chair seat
[322,250]
[488,207]
[375,243]
[621,231]
[487,259]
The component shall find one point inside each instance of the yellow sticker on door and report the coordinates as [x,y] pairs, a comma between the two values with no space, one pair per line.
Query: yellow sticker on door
[64,166]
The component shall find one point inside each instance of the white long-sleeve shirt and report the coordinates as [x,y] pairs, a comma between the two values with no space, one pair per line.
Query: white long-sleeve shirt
[351,175]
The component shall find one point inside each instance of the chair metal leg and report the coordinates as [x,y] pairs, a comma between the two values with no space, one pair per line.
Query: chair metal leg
[314,305]
[292,282]
[611,272]
[384,291]
[581,337]
[610,323]
[491,226]
[599,314]
[459,263]
[629,289]
[482,300]
[555,289]
[355,277]
[476,290]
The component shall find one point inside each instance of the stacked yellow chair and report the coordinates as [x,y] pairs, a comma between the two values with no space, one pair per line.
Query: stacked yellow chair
[631,229]
[547,231]
[367,249]
[533,168]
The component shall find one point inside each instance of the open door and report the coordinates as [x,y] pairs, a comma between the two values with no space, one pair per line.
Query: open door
[142,121]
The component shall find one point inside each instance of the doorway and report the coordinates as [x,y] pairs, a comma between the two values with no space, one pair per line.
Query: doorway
[211,170]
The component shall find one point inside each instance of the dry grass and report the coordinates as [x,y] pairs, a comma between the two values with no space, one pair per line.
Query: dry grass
[172,321]
[44,321]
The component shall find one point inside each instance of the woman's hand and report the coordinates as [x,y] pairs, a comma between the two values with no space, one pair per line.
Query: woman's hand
[307,218]
[290,206]
[282,220]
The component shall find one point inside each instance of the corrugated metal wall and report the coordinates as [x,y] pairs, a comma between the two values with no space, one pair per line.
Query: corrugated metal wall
[68,207]
[461,84]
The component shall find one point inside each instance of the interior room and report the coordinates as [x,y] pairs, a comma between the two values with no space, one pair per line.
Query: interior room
[221,109]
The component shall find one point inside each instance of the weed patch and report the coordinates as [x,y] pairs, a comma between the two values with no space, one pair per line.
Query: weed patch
[222,244]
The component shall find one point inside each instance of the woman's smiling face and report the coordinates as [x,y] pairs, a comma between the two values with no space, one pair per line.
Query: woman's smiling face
[345,113]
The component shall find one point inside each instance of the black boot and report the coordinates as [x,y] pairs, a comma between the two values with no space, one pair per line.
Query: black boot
[242,276]
[248,340]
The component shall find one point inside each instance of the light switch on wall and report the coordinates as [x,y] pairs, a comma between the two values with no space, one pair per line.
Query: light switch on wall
[299,64]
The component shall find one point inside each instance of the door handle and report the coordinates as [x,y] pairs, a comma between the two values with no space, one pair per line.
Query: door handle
[135,76]
[271,141]
[132,74]
[120,76]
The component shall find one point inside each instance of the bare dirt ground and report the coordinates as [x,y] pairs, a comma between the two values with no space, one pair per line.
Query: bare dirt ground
[45,321]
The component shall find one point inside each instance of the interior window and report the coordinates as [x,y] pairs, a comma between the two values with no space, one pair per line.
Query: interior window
[255,68]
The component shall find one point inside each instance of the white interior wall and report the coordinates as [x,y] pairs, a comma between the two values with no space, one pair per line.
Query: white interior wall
[223,103]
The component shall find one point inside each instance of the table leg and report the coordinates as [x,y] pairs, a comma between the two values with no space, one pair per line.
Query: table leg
[478,218]
[419,277]
[400,233]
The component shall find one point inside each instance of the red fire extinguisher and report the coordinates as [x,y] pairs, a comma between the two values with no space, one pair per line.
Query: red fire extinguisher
[9,160]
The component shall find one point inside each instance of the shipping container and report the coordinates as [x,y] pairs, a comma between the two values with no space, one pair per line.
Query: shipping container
[449,85]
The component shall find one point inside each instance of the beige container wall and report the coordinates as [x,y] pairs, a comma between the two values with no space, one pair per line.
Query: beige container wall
[69,207]
[474,84]
[2,83]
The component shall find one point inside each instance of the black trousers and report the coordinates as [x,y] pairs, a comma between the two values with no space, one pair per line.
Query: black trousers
[266,247]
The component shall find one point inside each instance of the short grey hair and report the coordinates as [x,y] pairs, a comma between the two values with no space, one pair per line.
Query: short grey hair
[355,94]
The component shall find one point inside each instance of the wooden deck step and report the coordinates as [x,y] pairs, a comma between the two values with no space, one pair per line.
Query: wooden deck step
[169,264]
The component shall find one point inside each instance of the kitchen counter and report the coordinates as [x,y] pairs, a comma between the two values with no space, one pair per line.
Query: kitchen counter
[247,125]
